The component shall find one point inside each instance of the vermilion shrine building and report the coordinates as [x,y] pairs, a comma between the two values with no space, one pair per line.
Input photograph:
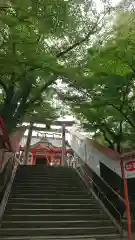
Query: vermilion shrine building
[48,152]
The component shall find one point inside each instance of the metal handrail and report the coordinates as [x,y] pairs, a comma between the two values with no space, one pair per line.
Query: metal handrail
[5,164]
[8,160]
[122,199]
[102,194]
[8,189]
[4,175]
[126,200]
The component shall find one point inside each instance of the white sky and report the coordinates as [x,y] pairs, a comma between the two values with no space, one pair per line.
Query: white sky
[114,2]
[99,4]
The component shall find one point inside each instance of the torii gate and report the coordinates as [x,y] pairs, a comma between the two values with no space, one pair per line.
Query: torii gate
[62,124]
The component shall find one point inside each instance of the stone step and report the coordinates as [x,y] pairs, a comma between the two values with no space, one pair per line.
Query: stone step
[52,201]
[25,211]
[71,237]
[46,187]
[100,237]
[54,217]
[17,191]
[55,224]
[44,176]
[47,183]
[49,196]
[38,168]
[54,206]
[56,231]
[46,170]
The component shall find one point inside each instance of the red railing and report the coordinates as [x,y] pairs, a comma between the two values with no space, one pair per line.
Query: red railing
[5,135]
[6,158]
[89,181]
[7,165]
[127,204]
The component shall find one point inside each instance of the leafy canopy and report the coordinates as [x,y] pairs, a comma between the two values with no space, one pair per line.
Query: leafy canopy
[39,42]
[102,92]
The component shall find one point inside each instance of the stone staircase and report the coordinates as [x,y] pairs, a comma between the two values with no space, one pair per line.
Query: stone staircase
[53,203]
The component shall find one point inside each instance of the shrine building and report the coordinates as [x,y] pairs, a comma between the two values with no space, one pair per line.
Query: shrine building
[46,151]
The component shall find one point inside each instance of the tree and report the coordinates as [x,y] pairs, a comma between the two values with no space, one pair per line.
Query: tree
[102,92]
[45,113]
[38,39]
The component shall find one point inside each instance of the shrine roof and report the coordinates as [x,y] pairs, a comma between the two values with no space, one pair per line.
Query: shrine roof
[48,142]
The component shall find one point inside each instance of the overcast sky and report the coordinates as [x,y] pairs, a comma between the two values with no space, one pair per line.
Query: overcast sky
[114,2]
[99,5]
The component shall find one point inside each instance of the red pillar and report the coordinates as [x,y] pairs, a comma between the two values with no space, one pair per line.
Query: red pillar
[127,201]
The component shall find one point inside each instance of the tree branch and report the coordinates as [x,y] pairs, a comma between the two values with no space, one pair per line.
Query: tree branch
[53,79]
[106,138]
[84,39]
[42,89]
[123,114]
[78,43]
[48,83]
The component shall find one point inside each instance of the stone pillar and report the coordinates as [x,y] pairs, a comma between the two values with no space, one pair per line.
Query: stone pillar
[27,147]
[63,146]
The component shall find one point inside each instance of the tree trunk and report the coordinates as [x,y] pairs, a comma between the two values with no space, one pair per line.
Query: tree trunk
[13,112]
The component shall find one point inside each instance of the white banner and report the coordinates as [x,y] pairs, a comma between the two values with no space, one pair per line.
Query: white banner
[93,156]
